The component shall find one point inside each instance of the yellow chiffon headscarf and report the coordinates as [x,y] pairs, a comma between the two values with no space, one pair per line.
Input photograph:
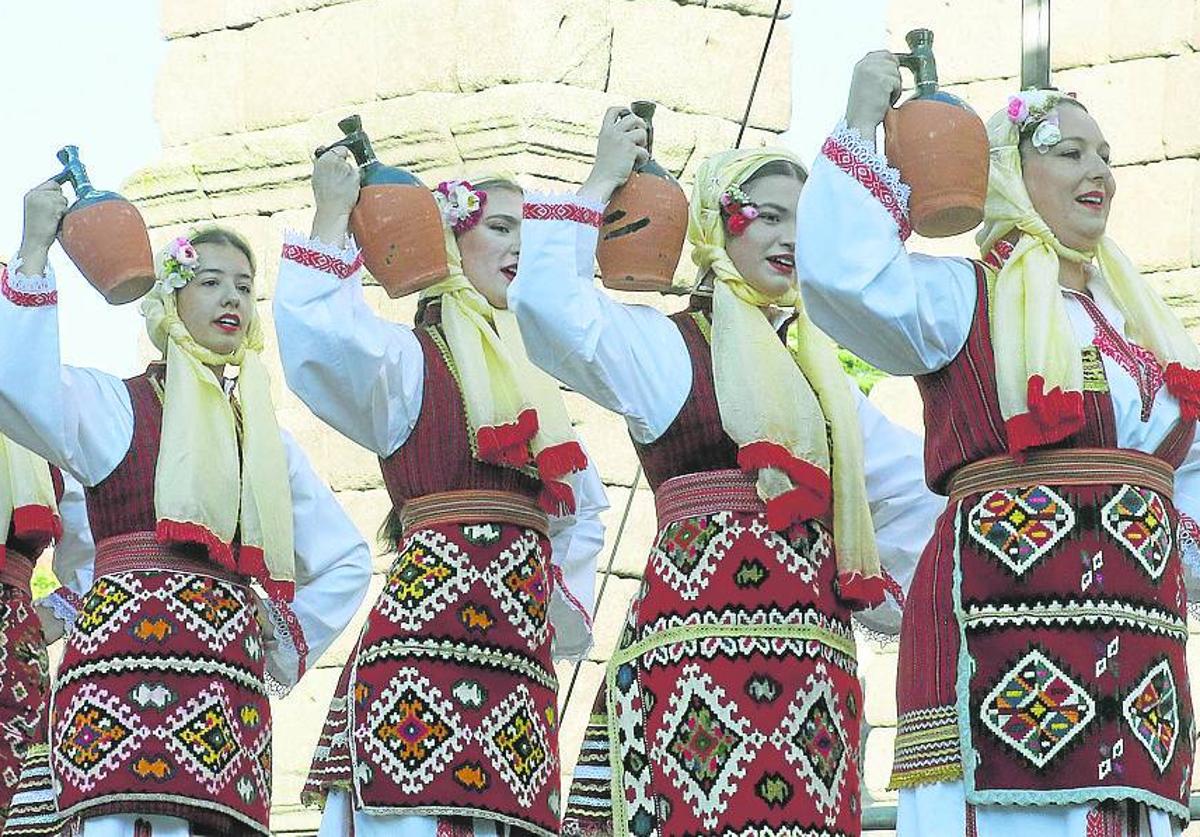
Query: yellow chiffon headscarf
[515,412]
[28,506]
[784,405]
[1039,370]
[212,484]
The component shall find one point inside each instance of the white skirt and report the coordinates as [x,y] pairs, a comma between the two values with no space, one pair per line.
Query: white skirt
[941,809]
[341,820]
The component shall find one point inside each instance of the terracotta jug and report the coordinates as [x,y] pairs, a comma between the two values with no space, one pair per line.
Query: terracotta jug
[396,221]
[104,235]
[940,147]
[644,225]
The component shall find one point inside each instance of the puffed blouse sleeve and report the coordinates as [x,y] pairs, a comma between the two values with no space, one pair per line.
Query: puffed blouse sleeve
[576,541]
[908,314]
[630,359]
[78,419]
[360,374]
[333,568]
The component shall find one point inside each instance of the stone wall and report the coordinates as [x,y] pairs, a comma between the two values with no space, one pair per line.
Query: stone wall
[447,87]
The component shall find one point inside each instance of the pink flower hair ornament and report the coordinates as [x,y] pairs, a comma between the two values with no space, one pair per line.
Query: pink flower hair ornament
[1033,112]
[738,210]
[179,263]
[460,203]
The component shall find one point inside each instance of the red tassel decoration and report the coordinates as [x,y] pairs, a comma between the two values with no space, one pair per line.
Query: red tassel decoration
[34,522]
[1184,384]
[804,502]
[559,460]
[1052,417]
[508,444]
[556,498]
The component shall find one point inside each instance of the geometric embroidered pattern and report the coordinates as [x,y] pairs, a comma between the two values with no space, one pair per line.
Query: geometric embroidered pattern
[1019,527]
[515,738]
[1036,708]
[1137,518]
[1152,710]
[113,599]
[321,261]
[215,610]
[96,732]
[688,551]
[562,212]
[518,580]
[838,149]
[201,735]
[705,744]
[811,738]
[412,731]
[427,576]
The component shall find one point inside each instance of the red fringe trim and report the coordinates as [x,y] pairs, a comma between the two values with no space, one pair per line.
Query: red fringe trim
[36,522]
[809,498]
[508,444]
[1052,417]
[556,498]
[1184,384]
[174,531]
[860,592]
[559,460]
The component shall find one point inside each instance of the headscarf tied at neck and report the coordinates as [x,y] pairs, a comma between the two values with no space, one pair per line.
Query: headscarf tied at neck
[200,462]
[783,405]
[1039,371]
[515,412]
[27,503]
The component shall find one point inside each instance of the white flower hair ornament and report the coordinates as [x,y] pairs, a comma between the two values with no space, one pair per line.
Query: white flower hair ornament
[461,204]
[178,264]
[1033,112]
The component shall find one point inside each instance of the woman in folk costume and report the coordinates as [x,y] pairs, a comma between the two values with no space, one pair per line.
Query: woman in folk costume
[1042,684]
[37,507]
[445,719]
[731,704]
[161,723]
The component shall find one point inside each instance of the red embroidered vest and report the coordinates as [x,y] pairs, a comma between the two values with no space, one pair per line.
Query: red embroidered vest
[963,422]
[695,442]
[437,454]
[123,502]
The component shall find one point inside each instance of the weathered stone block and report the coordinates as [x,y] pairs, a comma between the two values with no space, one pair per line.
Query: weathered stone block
[1137,29]
[413,46]
[216,106]
[1181,128]
[298,720]
[720,49]
[960,32]
[1126,100]
[1080,33]
[1152,213]
[572,39]
[634,540]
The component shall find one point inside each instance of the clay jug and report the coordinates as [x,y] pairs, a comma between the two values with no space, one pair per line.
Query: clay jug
[940,147]
[104,235]
[645,223]
[396,221]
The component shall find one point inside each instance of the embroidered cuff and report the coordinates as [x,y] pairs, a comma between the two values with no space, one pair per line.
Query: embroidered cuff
[554,206]
[291,647]
[342,262]
[847,150]
[28,291]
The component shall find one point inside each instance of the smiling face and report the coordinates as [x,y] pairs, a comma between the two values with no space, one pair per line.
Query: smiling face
[1071,185]
[765,253]
[218,304]
[491,247]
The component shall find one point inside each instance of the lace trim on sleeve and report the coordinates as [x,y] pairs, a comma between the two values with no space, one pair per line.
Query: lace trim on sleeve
[342,262]
[28,291]
[847,150]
